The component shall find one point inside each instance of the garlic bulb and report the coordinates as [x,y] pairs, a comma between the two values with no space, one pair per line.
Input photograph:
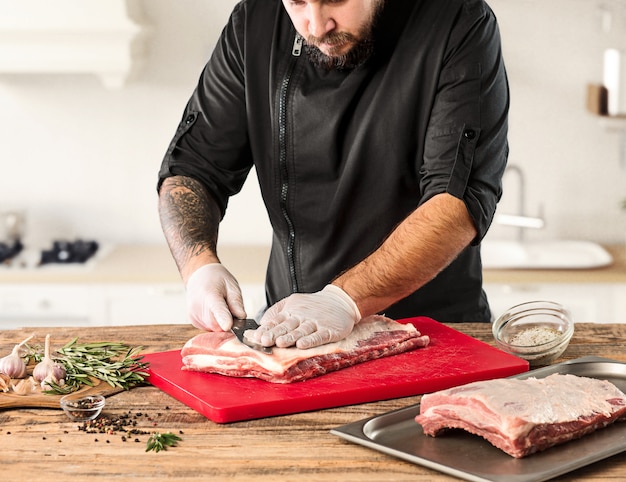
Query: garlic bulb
[47,370]
[12,364]
[25,387]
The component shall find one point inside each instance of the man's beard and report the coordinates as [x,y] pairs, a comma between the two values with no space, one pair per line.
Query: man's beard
[362,48]
[359,53]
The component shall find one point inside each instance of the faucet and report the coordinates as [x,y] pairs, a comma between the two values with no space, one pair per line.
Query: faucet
[520,219]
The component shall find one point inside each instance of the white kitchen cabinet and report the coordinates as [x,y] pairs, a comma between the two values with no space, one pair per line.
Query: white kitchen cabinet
[145,304]
[68,304]
[587,302]
[98,304]
[51,305]
[619,303]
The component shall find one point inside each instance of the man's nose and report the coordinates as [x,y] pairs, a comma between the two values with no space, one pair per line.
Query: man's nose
[320,23]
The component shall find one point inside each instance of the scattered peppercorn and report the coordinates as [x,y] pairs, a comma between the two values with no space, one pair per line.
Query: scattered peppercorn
[126,424]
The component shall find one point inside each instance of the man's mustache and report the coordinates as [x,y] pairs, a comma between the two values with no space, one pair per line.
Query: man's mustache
[331,39]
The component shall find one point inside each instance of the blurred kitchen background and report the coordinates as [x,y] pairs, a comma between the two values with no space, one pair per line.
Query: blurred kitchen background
[91,92]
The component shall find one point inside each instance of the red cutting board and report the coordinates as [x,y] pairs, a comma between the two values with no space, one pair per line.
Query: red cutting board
[452,358]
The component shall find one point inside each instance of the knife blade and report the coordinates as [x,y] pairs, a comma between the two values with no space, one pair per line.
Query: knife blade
[239,328]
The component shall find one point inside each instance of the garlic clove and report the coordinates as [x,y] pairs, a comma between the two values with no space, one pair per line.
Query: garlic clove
[51,379]
[25,386]
[5,381]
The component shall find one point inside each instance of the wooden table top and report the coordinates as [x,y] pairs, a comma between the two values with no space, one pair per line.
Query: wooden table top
[38,443]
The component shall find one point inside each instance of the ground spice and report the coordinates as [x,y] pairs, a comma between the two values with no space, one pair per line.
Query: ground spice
[537,335]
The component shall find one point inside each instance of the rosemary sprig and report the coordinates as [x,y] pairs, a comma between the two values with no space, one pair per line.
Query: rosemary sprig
[113,362]
[161,441]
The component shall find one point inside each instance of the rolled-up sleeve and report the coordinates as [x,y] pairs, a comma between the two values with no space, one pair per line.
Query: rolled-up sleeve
[211,141]
[466,144]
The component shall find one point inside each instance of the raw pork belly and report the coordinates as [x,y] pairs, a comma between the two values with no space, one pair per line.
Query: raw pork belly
[373,337]
[522,417]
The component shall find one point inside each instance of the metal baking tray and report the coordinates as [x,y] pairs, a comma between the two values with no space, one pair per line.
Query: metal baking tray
[470,457]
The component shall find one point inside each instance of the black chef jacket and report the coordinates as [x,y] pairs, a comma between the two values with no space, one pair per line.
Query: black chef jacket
[342,157]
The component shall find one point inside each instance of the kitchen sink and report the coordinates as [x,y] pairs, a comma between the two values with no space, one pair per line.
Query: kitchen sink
[556,254]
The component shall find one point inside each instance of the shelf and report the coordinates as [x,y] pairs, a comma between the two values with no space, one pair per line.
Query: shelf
[613,123]
[70,37]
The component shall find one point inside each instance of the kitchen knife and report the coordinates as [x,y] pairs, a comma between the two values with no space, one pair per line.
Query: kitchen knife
[238,329]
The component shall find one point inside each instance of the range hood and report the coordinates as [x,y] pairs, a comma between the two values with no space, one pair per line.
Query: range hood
[70,37]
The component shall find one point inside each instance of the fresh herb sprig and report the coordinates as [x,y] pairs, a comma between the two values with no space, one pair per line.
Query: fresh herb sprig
[113,362]
[161,441]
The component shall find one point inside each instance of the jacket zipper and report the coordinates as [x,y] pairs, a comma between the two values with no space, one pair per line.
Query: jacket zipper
[284,171]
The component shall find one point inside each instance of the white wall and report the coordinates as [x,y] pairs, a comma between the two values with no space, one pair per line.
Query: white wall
[83,160]
[553,48]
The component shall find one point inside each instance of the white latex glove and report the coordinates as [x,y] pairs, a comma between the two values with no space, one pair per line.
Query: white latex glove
[213,297]
[308,320]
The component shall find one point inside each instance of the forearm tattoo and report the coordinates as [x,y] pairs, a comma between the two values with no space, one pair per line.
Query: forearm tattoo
[189,218]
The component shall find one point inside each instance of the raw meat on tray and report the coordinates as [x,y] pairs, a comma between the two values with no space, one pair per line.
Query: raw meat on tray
[373,337]
[522,417]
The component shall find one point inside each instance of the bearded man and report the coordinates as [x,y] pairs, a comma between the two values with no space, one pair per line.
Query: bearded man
[378,131]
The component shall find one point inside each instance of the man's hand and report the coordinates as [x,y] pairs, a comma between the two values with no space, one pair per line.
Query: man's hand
[308,320]
[213,297]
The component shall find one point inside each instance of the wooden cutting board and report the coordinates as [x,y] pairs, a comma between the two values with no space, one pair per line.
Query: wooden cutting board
[41,400]
[451,359]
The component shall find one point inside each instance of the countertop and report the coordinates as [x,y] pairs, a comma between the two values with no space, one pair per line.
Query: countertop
[154,264]
[37,443]
[614,273]
[140,263]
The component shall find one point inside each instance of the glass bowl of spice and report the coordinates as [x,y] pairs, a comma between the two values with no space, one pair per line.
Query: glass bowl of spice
[82,408]
[538,331]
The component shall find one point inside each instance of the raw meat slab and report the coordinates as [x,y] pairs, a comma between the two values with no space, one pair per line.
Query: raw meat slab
[374,337]
[451,359]
[522,417]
